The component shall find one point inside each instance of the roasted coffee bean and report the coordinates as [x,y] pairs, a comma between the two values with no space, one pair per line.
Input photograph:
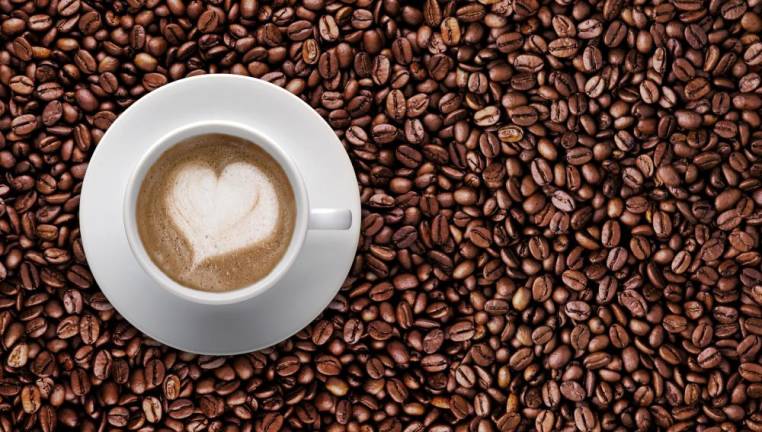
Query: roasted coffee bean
[152,409]
[564,47]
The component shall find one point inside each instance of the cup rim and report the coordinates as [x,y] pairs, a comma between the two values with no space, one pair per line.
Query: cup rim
[166,142]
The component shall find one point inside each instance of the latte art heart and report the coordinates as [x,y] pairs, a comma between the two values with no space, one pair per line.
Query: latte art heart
[225,213]
[216,212]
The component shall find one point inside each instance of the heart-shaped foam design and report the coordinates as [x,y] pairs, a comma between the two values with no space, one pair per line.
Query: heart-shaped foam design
[225,213]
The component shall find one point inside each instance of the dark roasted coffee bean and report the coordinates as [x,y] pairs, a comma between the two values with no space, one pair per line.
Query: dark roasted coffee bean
[751,372]
[564,47]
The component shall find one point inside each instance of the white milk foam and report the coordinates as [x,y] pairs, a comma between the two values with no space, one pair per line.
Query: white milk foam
[225,213]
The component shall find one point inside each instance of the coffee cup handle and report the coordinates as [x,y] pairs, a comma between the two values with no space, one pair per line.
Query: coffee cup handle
[330,219]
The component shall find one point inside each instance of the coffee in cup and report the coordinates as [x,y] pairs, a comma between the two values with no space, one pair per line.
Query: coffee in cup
[215,212]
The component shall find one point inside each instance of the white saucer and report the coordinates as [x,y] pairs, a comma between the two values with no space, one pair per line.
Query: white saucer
[319,269]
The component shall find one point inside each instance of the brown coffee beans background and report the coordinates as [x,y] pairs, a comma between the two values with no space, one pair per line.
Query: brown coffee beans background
[561,215]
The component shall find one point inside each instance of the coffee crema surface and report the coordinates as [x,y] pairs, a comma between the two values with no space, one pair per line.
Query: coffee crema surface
[216,212]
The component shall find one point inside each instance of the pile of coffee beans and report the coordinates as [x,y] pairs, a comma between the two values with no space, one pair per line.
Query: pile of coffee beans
[561,215]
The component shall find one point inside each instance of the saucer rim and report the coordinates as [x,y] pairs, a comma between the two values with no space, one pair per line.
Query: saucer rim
[91,243]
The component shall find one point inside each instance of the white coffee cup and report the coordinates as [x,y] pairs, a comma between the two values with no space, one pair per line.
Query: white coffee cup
[307,218]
